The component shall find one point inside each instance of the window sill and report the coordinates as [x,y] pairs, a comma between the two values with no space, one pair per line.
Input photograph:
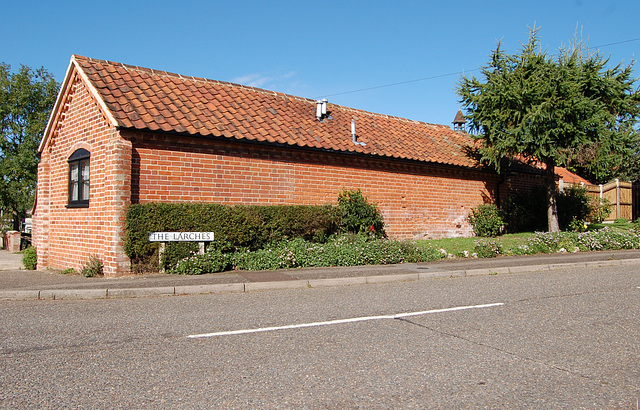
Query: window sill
[78,205]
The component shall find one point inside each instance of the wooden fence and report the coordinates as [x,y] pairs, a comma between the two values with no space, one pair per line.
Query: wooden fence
[624,196]
[635,198]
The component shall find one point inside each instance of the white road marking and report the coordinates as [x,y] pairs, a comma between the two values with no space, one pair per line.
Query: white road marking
[341,321]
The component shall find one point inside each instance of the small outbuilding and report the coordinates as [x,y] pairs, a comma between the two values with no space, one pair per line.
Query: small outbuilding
[121,134]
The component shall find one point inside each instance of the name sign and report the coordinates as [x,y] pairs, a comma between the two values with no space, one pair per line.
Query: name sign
[181,237]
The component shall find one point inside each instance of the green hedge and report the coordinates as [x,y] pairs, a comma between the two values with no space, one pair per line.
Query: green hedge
[235,227]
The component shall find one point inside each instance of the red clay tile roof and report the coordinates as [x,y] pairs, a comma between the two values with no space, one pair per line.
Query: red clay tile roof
[520,164]
[570,177]
[153,100]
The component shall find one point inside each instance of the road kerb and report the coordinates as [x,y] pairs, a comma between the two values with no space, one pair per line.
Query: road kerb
[330,282]
[442,274]
[486,271]
[528,268]
[578,265]
[407,277]
[55,294]
[19,295]
[629,261]
[602,263]
[285,284]
[141,292]
[214,288]
[72,294]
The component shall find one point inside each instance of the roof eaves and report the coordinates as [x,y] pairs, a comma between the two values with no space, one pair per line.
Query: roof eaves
[285,144]
[94,92]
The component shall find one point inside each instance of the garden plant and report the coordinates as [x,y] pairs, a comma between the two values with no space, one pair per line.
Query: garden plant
[352,233]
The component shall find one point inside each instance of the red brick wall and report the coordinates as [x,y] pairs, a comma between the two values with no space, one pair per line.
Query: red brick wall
[68,237]
[417,201]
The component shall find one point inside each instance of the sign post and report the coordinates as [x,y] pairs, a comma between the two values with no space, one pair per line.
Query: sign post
[163,237]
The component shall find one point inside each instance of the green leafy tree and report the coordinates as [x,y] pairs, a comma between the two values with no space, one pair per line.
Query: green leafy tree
[552,109]
[26,100]
[600,163]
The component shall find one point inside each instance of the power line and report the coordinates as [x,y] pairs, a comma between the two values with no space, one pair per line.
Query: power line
[447,75]
[398,83]
[619,42]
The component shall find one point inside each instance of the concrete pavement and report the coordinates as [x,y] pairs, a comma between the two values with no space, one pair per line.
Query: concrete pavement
[10,261]
[16,284]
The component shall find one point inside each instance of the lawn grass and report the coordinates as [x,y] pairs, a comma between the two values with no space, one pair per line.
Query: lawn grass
[619,224]
[467,246]
[457,246]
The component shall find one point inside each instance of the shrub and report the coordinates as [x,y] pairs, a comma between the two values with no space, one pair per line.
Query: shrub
[357,215]
[608,238]
[30,258]
[577,225]
[235,227]
[278,255]
[211,261]
[573,203]
[548,242]
[414,253]
[342,250]
[525,211]
[488,248]
[600,209]
[486,220]
[177,251]
[243,227]
[92,268]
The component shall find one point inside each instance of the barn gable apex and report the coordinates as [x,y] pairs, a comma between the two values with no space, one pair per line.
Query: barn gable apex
[64,94]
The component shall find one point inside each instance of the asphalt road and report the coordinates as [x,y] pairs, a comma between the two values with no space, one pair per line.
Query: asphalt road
[564,338]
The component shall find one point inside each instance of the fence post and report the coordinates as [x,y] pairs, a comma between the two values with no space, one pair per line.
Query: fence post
[618,210]
[161,256]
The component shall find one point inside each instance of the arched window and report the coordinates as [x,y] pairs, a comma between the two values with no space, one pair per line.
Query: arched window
[79,179]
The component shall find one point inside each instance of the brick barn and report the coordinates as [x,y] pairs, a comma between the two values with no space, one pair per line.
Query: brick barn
[121,134]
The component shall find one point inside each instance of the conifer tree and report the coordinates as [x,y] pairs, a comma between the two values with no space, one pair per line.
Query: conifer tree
[557,110]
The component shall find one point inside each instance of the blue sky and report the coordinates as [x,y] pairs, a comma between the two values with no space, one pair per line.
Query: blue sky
[314,49]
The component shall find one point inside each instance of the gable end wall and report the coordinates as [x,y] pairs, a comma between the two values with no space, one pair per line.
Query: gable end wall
[69,237]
